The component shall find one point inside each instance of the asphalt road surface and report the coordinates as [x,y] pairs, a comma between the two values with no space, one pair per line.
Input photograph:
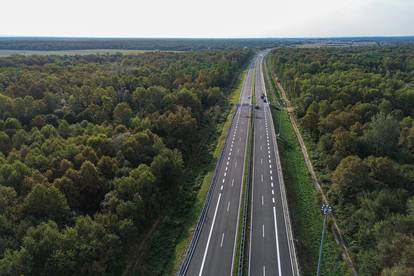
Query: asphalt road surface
[215,250]
[269,250]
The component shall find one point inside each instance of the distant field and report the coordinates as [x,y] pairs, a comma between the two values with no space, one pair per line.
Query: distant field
[4,53]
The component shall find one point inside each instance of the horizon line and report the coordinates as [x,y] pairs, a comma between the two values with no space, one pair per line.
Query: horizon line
[207,37]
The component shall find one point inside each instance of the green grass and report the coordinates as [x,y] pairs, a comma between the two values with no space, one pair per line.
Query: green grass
[169,243]
[303,200]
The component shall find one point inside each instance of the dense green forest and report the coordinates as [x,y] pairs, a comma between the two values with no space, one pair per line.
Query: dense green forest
[356,106]
[93,149]
[178,44]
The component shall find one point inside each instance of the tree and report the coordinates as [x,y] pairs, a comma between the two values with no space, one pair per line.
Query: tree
[168,167]
[382,134]
[107,166]
[122,113]
[46,202]
[310,122]
[90,186]
[5,144]
[13,174]
[350,178]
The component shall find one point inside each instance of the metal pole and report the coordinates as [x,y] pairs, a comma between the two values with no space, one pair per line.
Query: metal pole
[318,272]
[326,210]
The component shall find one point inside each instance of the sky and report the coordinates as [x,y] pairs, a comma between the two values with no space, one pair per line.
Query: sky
[206,18]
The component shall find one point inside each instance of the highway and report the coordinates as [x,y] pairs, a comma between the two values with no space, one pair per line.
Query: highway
[214,251]
[271,250]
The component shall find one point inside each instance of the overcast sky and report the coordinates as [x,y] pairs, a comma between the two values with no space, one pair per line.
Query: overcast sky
[206,18]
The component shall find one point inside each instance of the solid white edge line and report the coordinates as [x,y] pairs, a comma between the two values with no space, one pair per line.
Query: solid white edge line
[209,236]
[277,242]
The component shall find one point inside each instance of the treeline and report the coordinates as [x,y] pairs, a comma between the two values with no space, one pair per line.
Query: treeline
[162,44]
[356,106]
[179,44]
[94,148]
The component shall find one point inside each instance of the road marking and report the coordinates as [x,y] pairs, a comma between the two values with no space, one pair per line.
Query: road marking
[232,182]
[228,158]
[261,147]
[271,184]
[227,168]
[277,241]
[221,188]
[222,239]
[262,177]
[263,230]
[225,174]
[268,151]
[273,192]
[270,161]
[223,180]
[273,199]
[271,171]
[261,160]
[228,163]
[270,166]
[262,200]
[209,235]
[264,271]
[271,178]
[228,206]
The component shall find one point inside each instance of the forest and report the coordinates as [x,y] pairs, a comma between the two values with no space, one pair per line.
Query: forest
[93,149]
[179,44]
[356,109]
[151,44]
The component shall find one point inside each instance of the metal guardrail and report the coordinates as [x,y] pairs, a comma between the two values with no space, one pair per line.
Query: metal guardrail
[190,251]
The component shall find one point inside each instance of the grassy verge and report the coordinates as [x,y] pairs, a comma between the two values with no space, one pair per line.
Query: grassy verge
[303,199]
[169,243]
